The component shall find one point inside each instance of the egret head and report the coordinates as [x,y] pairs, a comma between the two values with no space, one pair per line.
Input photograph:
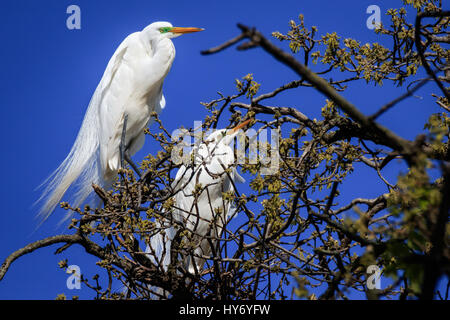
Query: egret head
[226,136]
[163,29]
[218,145]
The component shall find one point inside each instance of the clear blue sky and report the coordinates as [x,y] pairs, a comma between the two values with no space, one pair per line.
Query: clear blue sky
[48,74]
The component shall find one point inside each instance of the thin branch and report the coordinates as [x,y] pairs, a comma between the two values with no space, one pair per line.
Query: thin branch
[391,104]
[420,48]
[36,245]
[390,138]
[224,45]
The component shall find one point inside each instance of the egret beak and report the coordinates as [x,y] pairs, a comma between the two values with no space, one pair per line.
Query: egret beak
[239,126]
[185,30]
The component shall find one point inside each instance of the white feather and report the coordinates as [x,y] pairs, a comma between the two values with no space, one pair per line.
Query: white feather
[212,158]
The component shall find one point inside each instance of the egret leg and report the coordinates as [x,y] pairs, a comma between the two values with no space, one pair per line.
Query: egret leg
[122,141]
[132,164]
[124,155]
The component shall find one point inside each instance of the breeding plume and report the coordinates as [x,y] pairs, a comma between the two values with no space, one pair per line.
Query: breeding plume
[120,108]
[202,212]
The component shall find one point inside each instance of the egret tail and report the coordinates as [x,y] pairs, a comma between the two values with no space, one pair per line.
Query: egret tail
[158,251]
[81,165]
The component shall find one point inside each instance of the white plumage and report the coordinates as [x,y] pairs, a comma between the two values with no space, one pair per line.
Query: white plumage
[207,214]
[131,85]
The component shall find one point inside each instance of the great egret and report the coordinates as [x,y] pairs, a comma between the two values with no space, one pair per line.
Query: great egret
[199,206]
[120,108]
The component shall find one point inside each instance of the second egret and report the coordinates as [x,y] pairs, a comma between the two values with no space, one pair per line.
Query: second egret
[199,206]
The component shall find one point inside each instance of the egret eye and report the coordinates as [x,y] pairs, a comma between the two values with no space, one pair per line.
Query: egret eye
[165,29]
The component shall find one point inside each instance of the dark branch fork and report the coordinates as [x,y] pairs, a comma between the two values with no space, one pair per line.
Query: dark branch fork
[256,38]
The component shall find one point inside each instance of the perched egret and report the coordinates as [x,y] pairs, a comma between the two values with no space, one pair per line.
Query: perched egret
[199,206]
[120,108]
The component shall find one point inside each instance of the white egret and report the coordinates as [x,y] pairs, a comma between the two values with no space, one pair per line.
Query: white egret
[199,206]
[120,108]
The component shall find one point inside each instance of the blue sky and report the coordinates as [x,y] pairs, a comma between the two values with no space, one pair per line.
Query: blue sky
[48,74]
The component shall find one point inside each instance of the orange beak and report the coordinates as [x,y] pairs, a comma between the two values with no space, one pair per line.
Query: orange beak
[185,30]
[239,126]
